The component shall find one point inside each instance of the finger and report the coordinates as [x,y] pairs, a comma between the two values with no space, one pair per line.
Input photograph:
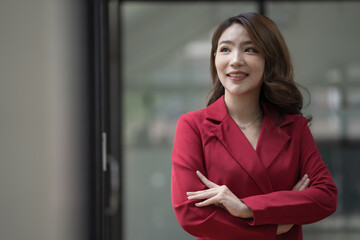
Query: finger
[207,202]
[305,185]
[300,183]
[199,192]
[203,195]
[206,181]
[283,228]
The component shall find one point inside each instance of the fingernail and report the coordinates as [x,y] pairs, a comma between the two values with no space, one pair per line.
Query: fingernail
[197,204]
[305,176]
[190,197]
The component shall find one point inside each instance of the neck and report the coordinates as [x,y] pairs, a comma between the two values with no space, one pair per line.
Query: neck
[243,109]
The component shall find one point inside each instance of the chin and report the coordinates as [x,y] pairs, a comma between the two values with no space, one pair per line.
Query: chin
[237,91]
[242,92]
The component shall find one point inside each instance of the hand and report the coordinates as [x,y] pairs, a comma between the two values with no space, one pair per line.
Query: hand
[283,228]
[220,196]
[302,184]
[299,186]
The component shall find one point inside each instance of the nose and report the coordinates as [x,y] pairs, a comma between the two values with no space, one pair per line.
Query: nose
[237,59]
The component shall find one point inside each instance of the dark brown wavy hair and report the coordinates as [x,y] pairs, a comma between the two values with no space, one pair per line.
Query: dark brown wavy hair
[279,87]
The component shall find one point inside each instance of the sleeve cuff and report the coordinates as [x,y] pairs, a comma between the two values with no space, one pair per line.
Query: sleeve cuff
[257,212]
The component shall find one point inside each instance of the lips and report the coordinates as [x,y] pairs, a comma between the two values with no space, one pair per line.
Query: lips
[237,75]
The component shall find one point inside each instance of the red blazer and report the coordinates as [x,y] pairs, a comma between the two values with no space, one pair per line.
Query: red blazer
[210,141]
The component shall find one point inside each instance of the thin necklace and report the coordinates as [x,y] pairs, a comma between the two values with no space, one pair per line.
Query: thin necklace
[246,126]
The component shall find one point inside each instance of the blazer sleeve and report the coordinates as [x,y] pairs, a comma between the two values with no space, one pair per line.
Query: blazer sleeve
[210,221]
[294,207]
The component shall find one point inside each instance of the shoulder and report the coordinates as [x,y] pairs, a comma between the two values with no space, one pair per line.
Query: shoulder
[283,119]
[299,120]
[295,125]
[193,116]
[294,121]
[296,118]
[191,119]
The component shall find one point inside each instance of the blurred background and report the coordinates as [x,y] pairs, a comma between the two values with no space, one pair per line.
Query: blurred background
[90,93]
[166,51]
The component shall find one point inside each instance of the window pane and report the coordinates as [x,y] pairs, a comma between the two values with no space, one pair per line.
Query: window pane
[323,40]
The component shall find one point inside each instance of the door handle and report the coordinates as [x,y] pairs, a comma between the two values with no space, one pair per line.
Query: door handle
[114,172]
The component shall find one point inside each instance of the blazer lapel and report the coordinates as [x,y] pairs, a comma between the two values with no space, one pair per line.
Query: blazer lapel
[273,137]
[230,135]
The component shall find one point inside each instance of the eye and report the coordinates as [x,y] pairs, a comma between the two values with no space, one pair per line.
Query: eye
[251,49]
[224,49]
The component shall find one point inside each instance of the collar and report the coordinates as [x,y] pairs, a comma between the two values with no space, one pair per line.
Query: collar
[272,141]
[217,112]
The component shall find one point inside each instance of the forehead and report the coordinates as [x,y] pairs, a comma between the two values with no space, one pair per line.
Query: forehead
[236,32]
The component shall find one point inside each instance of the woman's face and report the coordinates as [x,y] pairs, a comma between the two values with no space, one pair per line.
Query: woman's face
[238,63]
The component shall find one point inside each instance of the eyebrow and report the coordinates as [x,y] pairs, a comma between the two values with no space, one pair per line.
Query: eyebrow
[248,42]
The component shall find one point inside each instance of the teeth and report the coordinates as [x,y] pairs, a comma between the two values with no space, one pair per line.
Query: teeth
[238,75]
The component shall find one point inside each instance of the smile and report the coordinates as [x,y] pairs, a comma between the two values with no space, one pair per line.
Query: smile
[238,75]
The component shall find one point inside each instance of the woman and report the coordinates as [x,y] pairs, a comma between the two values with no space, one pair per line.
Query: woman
[247,167]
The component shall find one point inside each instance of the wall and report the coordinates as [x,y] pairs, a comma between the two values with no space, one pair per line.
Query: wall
[42,130]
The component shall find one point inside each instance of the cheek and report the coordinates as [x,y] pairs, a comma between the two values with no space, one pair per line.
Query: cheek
[216,64]
[259,67]
[219,64]
[261,71]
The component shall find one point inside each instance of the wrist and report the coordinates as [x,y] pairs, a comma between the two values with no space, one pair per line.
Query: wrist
[246,212]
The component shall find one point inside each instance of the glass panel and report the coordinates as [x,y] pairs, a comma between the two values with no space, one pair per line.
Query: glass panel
[166,51]
[323,40]
[326,60]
